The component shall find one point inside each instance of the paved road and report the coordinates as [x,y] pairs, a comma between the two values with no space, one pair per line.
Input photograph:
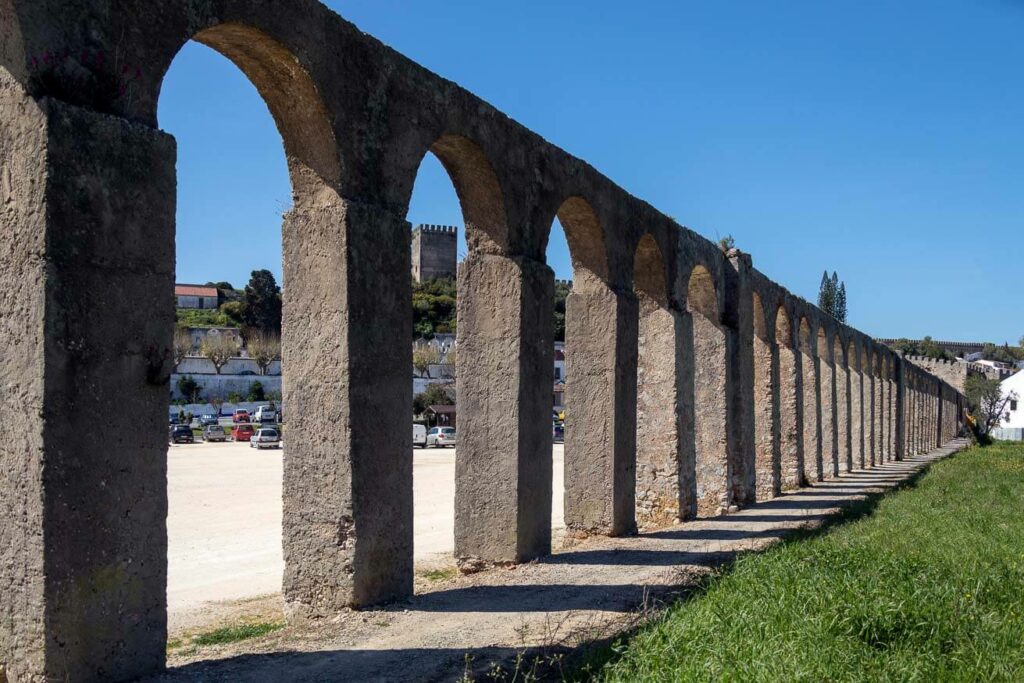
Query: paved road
[224,523]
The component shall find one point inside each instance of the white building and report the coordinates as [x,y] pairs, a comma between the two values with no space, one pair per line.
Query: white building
[1014,384]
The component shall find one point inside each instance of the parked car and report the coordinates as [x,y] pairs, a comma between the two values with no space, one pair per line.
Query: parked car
[439,437]
[214,432]
[242,432]
[419,436]
[558,432]
[240,416]
[266,414]
[182,434]
[207,420]
[265,437]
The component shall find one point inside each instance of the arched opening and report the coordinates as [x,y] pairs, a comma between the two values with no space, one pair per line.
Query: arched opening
[766,407]
[253,147]
[599,467]
[827,401]
[856,405]
[789,402]
[659,489]
[842,411]
[437,242]
[810,413]
[710,417]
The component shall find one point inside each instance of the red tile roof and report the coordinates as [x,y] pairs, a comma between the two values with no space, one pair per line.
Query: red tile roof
[194,290]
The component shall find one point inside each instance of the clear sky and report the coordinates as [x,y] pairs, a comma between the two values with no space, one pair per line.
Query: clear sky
[881,139]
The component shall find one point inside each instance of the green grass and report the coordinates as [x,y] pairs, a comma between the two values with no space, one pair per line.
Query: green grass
[440,574]
[227,634]
[926,584]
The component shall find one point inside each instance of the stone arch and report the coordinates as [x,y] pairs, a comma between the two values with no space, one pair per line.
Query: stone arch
[765,405]
[291,96]
[789,402]
[713,471]
[702,294]
[659,486]
[587,248]
[316,231]
[479,191]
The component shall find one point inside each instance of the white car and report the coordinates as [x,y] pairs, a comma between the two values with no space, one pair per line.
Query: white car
[419,436]
[439,437]
[266,414]
[265,437]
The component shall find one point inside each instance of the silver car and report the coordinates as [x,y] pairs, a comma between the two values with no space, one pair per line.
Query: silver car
[214,433]
[265,437]
[439,437]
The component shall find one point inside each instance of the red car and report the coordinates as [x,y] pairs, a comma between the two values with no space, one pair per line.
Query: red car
[242,432]
[240,416]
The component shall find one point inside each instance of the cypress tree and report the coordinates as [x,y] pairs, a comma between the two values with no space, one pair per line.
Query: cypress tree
[826,294]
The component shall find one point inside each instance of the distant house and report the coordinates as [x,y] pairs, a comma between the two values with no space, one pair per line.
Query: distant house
[441,416]
[1015,408]
[196,296]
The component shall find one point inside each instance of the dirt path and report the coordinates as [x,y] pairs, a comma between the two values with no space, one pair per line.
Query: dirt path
[224,524]
[573,595]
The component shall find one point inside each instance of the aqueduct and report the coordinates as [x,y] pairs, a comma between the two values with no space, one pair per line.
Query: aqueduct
[695,384]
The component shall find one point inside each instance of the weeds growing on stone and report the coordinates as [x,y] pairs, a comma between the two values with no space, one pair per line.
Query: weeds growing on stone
[924,584]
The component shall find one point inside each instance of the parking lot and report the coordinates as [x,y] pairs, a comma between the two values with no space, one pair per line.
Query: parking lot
[224,521]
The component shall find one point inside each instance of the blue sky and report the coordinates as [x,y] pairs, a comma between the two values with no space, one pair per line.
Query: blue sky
[883,140]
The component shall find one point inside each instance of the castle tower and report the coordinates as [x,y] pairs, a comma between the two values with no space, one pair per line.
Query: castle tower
[434,251]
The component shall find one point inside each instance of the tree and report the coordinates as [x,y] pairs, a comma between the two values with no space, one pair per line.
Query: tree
[219,349]
[1002,354]
[433,307]
[215,399]
[826,294]
[256,392]
[727,244]
[264,348]
[562,290]
[233,313]
[451,360]
[435,395]
[262,302]
[840,304]
[832,296]
[987,402]
[182,345]
[423,356]
[188,388]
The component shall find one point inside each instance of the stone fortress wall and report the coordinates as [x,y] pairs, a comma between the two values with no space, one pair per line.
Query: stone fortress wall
[955,372]
[696,385]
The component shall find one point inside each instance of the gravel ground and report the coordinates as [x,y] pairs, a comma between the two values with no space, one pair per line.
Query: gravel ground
[591,590]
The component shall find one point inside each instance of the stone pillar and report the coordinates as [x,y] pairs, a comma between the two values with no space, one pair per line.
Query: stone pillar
[879,396]
[843,453]
[869,415]
[663,484]
[829,461]
[789,424]
[765,403]
[940,416]
[506,355]
[713,468]
[883,422]
[600,390]
[900,391]
[810,410]
[890,389]
[348,468]
[86,279]
[856,415]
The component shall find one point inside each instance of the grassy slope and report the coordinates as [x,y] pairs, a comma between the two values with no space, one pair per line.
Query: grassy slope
[929,586]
